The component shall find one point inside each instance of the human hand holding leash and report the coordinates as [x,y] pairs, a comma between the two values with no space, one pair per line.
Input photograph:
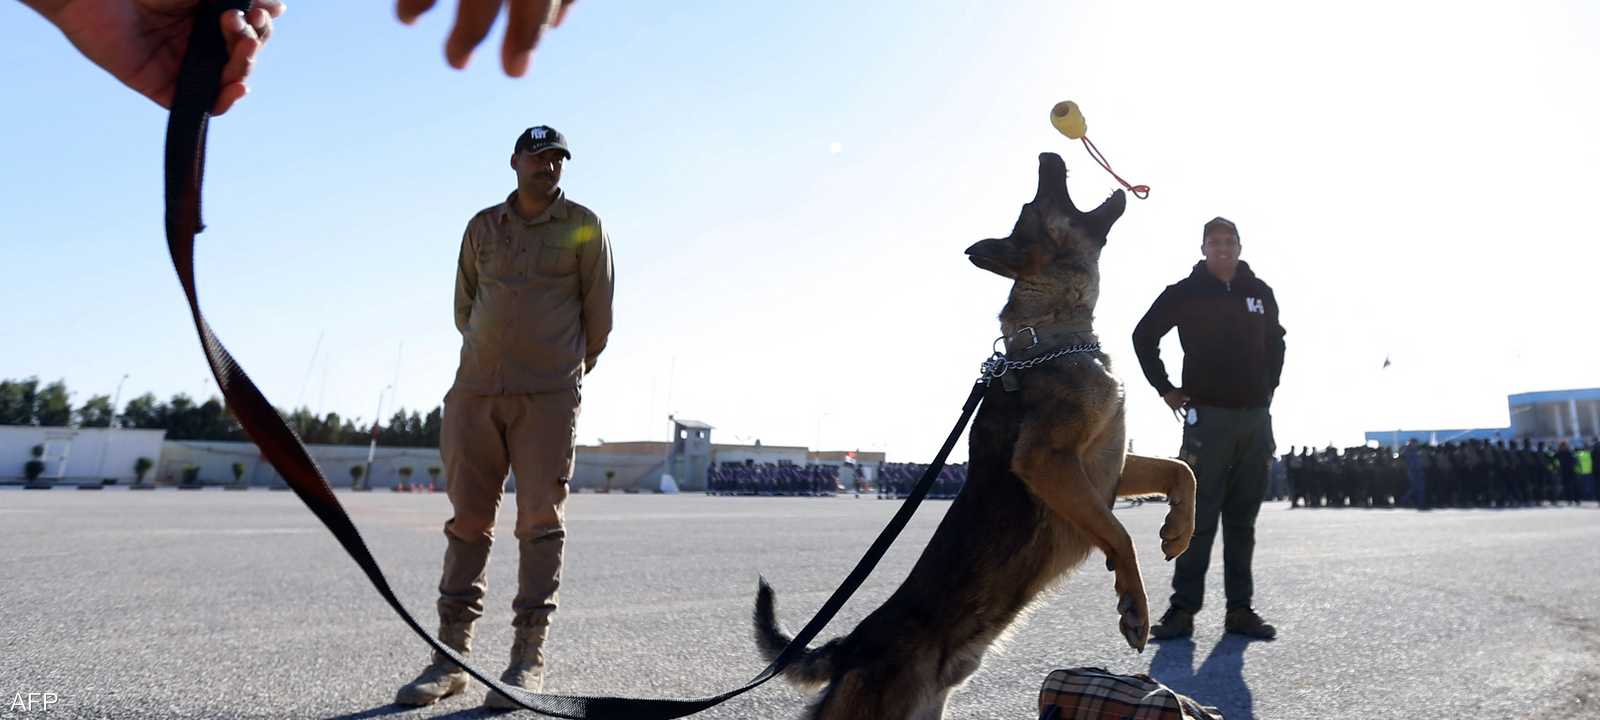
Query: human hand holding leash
[142,42]
[1176,399]
[527,23]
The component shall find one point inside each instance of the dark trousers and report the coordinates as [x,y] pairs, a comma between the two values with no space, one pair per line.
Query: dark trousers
[1417,495]
[1231,452]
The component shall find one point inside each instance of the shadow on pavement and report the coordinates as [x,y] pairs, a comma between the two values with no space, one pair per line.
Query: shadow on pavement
[1219,681]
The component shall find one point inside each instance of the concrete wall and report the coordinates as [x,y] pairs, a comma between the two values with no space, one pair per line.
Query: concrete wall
[638,465]
[764,454]
[215,461]
[634,471]
[78,455]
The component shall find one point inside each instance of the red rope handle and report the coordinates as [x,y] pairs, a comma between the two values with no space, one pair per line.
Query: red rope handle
[1139,191]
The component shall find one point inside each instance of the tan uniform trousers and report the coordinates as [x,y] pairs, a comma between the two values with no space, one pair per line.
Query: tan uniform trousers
[482,437]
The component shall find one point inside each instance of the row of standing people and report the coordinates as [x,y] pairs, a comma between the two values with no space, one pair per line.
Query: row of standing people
[895,480]
[1474,473]
[749,478]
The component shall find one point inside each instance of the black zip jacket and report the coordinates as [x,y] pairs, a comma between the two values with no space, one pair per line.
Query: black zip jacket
[1232,342]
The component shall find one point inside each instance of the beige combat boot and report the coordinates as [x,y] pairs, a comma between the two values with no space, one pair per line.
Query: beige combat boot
[442,678]
[527,667]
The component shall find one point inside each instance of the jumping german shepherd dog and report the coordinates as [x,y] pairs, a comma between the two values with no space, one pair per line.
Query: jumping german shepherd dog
[1048,459]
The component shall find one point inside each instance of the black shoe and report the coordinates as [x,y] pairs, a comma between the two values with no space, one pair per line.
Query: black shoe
[1176,623]
[1246,622]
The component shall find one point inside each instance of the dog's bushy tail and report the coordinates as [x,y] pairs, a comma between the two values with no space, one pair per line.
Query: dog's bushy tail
[812,669]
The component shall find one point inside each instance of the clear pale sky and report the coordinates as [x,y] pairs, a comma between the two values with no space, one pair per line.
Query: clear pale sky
[789,186]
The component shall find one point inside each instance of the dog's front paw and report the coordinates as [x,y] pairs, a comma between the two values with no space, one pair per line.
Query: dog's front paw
[1133,609]
[1177,530]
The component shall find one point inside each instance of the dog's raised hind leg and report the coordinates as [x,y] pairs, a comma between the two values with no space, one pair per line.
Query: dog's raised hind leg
[1146,475]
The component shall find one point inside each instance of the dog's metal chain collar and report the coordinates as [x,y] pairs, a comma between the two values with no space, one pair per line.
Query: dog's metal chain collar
[997,365]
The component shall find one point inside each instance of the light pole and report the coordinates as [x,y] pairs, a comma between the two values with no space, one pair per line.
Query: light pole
[111,422]
[366,477]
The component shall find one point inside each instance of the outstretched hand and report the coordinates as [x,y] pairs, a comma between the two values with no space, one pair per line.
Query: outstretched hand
[527,22]
[142,42]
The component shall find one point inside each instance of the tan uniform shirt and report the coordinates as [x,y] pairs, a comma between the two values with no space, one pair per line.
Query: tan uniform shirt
[533,298]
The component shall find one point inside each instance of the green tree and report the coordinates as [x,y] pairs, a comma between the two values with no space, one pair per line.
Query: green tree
[144,412]
[96,412]
[55,407]
[328,430]
[414,436]
[213,421]
[354,432]
[17,401]
[302,421]
[184,420]
[407,429]
[312,429]
[332,427]
[394,434]
[180,419]
[431,427]
[356,471]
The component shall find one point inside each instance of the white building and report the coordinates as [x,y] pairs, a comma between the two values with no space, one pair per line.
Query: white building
[78,455]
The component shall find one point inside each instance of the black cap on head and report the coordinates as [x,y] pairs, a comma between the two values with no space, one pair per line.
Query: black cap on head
[1220,222]
[542,137]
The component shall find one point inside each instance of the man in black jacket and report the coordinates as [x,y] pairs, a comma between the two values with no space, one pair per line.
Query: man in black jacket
[1227,321]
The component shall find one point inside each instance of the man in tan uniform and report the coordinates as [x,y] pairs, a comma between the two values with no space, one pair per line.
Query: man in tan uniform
[533,304]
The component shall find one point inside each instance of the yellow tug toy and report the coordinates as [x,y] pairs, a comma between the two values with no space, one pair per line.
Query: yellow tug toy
[1067,118]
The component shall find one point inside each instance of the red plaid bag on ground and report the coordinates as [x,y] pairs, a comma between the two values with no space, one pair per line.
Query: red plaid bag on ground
[1094,694]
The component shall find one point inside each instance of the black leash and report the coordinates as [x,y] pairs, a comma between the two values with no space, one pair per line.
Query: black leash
[199,81]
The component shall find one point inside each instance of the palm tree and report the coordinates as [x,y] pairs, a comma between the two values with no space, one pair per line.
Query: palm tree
[356,471]
[405,479]
[433,475]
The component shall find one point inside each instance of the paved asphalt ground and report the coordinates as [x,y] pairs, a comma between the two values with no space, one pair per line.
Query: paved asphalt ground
[239,605]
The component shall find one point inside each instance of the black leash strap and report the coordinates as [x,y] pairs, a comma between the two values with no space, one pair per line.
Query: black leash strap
[198,84]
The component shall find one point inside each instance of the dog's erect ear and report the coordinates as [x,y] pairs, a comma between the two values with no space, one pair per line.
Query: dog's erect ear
[1102,218]
[997,255]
